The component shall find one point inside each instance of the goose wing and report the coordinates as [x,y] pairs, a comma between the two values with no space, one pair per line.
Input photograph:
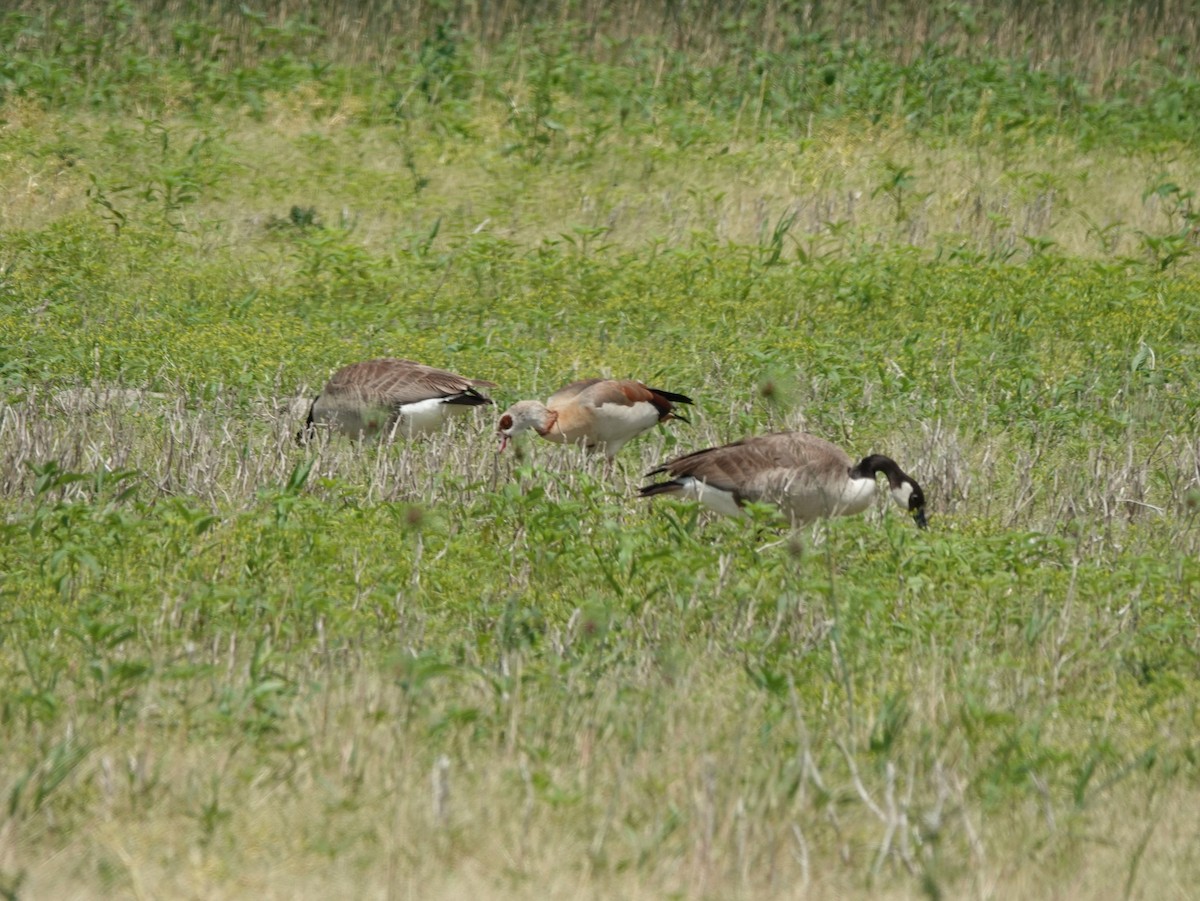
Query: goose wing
[397,382]
[763,468]
[619,392]
[569,393]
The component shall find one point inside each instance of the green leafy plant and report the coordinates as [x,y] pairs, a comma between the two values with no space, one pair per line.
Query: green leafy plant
[1183,223]
[219,647]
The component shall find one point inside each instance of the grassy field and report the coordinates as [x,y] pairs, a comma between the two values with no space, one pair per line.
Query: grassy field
[232,666]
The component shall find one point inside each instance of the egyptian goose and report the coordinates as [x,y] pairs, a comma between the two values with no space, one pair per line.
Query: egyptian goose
[600,414]
[805,476]
[386,396]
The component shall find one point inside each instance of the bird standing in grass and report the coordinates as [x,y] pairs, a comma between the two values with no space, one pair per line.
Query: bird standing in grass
[386,397]
[805,476]
[599,414]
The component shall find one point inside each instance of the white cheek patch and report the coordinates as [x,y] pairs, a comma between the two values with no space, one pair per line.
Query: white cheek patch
[717,499]
[902,494]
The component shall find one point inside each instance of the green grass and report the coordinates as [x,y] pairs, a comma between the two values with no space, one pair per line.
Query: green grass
[230,665]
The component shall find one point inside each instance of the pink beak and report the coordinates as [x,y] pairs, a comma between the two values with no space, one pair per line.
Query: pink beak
[503,442]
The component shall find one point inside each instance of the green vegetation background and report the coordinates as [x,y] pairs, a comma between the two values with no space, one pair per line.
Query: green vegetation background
[959,234]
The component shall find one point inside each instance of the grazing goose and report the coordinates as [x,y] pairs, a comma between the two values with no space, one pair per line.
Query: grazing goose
[382,396]
[806,476]
[600,414]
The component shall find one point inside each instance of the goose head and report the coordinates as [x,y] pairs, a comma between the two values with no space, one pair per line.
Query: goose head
[522,416]
[904,488]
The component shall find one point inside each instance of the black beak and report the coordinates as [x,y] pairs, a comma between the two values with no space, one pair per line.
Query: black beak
[918,515]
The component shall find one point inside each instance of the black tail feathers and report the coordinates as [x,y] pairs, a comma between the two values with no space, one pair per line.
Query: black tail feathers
[659,488]
[470,398]
[673,397]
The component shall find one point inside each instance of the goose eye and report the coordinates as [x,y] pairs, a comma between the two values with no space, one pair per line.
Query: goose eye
[506,422]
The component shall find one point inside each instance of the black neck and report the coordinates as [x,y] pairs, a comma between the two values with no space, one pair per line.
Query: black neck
[868,467]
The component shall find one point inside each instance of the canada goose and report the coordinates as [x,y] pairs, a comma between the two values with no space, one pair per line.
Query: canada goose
[804,475]
[600,414]
[380,396]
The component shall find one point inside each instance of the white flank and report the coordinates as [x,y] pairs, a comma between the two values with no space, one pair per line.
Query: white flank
[619,420]
[714,498]
[423,416]
[615,424]
[803,502]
